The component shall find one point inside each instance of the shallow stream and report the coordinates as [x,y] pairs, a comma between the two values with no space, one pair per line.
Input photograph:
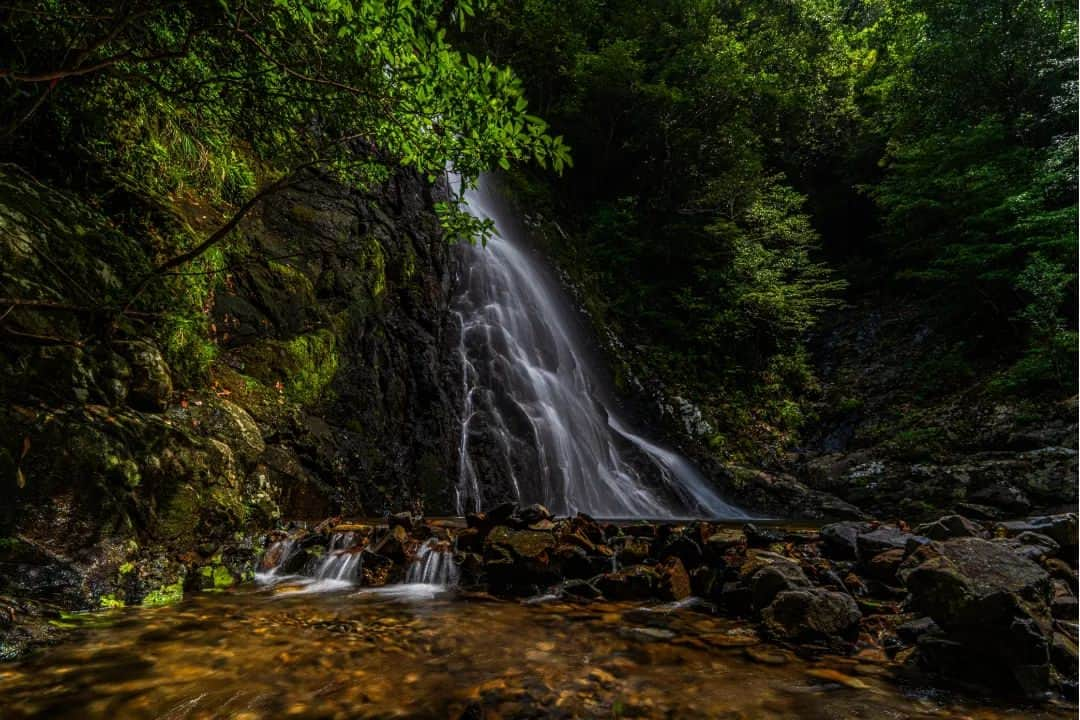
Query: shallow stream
[326,650]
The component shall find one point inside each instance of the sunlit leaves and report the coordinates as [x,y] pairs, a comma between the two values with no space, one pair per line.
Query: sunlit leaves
[328,83]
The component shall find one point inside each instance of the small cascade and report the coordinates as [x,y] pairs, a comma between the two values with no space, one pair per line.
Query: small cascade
[275,557]
[342,560]
[434,565]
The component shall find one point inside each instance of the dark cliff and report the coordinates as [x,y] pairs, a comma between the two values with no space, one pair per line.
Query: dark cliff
[139,451]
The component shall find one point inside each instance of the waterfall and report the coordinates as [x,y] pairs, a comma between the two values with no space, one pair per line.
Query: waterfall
[433,565]
[535,424]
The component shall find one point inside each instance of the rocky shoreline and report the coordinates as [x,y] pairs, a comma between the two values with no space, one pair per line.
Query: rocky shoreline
[988,606]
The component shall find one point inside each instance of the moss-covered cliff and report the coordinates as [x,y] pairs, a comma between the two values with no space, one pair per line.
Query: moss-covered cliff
[299,373]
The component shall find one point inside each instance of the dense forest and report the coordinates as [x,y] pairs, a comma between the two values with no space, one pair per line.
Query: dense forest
[743,167]
[736,339]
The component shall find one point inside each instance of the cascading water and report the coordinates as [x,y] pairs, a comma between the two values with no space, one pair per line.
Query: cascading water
[535,425]
[433,565]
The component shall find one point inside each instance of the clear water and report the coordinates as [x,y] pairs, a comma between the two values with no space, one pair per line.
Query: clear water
[412,651]
[535,417]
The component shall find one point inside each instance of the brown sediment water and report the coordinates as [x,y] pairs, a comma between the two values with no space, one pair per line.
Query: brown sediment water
[421,651]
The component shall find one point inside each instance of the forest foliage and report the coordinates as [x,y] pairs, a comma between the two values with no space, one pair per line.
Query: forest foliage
[738,161]
[737,164]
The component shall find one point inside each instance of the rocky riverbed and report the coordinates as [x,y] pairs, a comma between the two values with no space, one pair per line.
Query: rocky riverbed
[970,604]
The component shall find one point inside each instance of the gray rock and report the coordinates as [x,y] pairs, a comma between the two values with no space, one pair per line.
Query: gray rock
[774,579]
[812,615]
[1002,495]
[1034,546]
[883,538]
[1064,607]
[840,539]
[969,581]
[993,606]
[1061,528]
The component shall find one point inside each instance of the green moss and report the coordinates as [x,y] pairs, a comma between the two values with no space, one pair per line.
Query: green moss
[295,280]
[314,362]
[216,577]
[127,568]
[124,469]
[165,595]
[303,213]
[111,601]
[373,264]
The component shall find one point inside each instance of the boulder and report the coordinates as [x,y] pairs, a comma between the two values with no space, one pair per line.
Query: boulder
[1064,653]
[993,606]
[402,519]
[885,537]
[970,581]
[1002,495]
[1065,608]
[375,569]
[680,545]
[950,526]
[1032,545]
[638,582]
[760,537]
[839,539]
[812,615]
[520,560]
[718,543]
[773,579]
[394,544]
[532,514]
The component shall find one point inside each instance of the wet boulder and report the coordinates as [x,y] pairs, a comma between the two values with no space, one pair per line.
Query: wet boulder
[993,606]
[720,542]
[395,544]
[402,519]
[637,582]
[520,560]
[913,630]
[812,615]
[1034,546]
[375,570]
[970,581]
[883,566]
[632,550]
[678,543]
[532,514]
[1065,607]
[773,579]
